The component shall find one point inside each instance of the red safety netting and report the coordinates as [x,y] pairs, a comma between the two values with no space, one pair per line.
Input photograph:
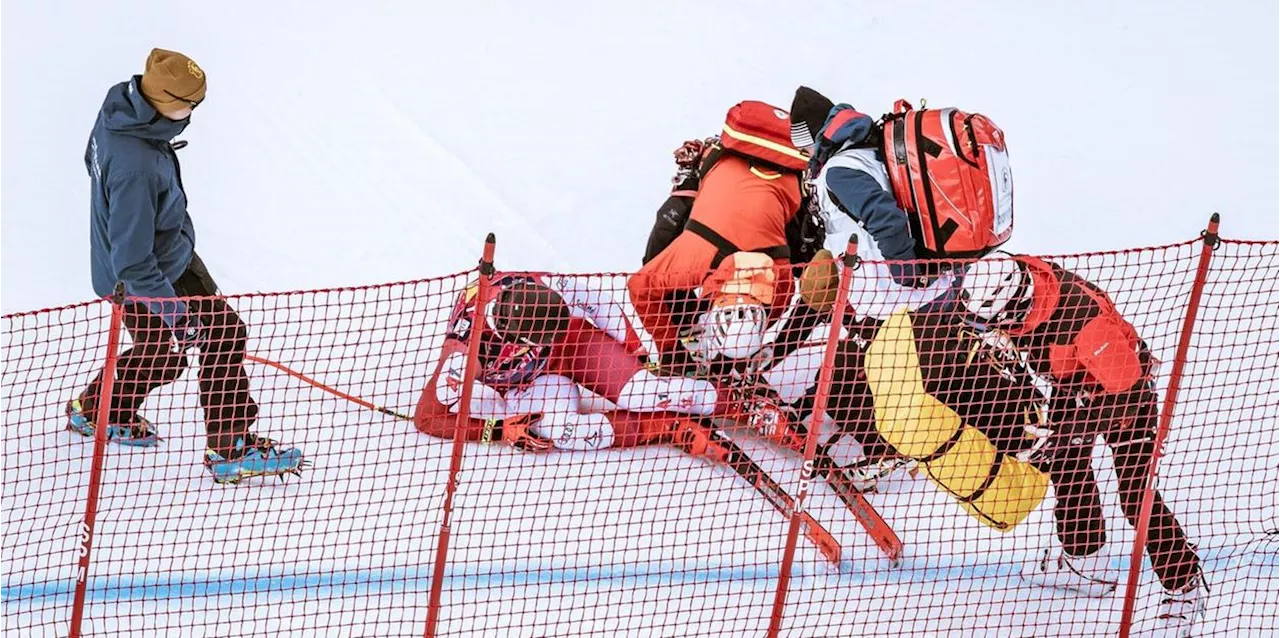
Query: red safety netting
[631,468]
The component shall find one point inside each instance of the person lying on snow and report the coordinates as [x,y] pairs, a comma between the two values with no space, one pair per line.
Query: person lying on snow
[550,347]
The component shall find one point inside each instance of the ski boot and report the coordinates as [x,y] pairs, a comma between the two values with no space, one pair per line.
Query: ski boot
[774,420]
[1091,575]
[138,434]
[1180,609]
[253,455]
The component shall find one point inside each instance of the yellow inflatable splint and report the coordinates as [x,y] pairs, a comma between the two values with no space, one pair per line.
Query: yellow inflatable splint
[996,489]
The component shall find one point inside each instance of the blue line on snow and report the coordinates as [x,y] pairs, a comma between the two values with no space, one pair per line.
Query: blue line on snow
[370,581]
[191,584]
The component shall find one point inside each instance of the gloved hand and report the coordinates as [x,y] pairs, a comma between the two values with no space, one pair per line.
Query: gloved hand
[1071,423]
[688,160]
[516,433]
[1044,445]
[915,274]
[688,153]
[820,281]
[188,333]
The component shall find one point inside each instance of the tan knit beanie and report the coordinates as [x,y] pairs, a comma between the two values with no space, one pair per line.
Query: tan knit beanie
[172,81]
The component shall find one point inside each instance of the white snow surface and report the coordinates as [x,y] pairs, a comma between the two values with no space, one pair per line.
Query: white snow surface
[355,143]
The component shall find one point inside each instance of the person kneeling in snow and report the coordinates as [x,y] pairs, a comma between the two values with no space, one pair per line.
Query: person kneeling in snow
[1101,372]
[546,339]
[722,333]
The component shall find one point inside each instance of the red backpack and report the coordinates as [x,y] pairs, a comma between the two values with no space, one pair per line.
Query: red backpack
[762,132]
[950,172]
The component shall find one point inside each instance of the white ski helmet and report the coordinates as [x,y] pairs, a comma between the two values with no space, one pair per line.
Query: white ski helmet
[733,330]
[739,289]
[996,288]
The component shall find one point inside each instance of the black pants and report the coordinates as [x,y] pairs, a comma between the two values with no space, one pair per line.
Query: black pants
[152,362]
[991,403]
[1128,425]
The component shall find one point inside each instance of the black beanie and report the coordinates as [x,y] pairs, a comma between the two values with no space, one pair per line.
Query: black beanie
[809,110]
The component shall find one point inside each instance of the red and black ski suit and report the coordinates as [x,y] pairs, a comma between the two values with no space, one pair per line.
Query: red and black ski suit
[1101,374]
[597,351]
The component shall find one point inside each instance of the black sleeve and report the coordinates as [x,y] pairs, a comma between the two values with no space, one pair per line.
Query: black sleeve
[805,233]
[795,329]
[668,225]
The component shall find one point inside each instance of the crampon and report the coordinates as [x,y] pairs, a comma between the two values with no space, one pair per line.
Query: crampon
[254,456]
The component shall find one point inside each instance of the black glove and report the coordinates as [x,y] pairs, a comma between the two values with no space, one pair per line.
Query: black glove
[915,274]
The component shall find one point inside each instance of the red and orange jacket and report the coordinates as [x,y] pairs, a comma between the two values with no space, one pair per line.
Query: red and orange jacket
[742,206]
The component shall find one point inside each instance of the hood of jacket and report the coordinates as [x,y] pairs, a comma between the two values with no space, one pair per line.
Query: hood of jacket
[126,112]
[844,127]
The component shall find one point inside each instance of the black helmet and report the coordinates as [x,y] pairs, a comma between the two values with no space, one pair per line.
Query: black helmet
[531,313]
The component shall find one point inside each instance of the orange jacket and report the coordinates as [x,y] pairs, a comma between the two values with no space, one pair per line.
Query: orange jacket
[739,207]
[747,204]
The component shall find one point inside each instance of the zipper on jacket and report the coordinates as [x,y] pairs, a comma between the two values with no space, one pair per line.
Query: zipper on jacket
[177,166]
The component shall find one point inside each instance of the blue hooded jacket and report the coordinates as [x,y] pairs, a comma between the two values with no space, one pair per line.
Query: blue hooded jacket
[858,194]
[139,232]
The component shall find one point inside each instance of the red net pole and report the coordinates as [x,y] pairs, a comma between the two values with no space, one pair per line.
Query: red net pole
[1162,431]
[99,450]
[811,438]
[459,436]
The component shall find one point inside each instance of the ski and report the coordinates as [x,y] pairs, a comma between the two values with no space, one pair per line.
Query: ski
[749,470]
[865,513]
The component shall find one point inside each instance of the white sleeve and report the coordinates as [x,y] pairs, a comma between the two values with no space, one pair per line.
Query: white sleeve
[874,293]
[486,402]
[588,299]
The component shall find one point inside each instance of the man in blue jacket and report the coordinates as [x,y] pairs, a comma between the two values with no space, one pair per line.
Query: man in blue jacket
[851,186]
[142,236]
[850,177]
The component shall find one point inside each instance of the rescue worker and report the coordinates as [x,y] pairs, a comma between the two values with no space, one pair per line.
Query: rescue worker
[1101,372]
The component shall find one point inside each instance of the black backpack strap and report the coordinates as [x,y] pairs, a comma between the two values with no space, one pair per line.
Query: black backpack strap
[724,247]
[774,252]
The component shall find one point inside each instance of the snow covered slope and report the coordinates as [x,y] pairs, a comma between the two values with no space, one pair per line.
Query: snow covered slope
[360,142]
[364,142]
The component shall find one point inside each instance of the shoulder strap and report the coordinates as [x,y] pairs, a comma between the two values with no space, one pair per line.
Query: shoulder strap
[724,247]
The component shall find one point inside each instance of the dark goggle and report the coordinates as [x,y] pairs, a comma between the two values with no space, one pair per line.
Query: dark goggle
[192,103]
